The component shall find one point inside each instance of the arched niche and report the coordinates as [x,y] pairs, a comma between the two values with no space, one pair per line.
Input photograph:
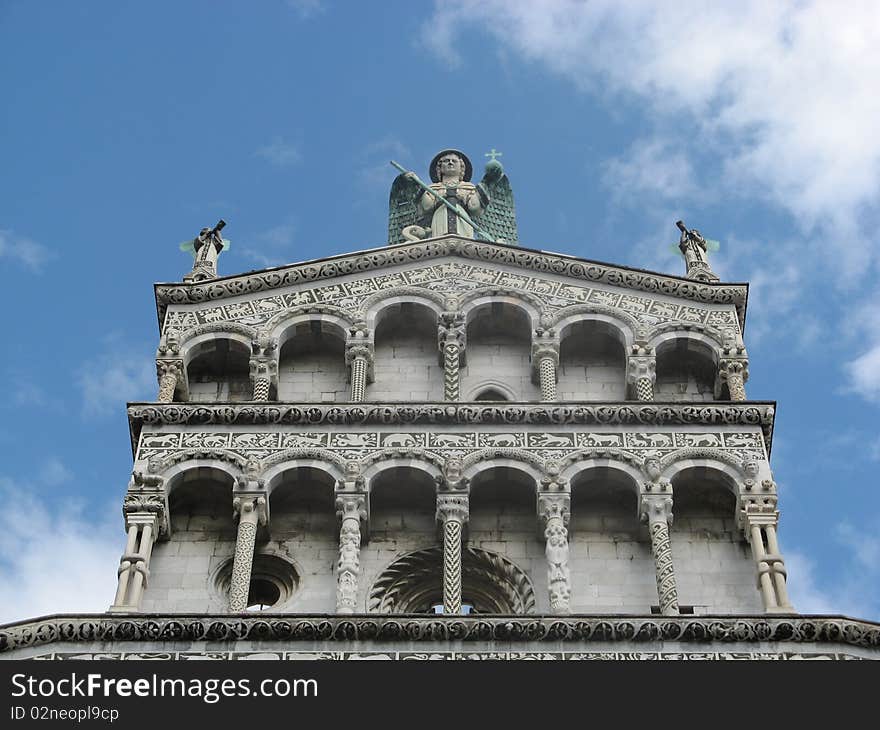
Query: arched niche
[402,505]
[713,565]
[311,362]
[502,507]
[218,369]
[406,358]
[302,504]
[686,368]
[499,340]
[613,568]
[592,360]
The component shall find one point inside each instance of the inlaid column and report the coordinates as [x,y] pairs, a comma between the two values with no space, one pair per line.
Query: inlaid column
[264,366]
[170,374]
[641,372]
[545,362]
[251,512]
[734,372]
[656,512]
[451,340]
[554,511]
[759,523]
[144,514]
[351,510]
[452,514]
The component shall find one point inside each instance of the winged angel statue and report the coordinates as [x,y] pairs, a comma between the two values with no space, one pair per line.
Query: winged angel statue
[452,203]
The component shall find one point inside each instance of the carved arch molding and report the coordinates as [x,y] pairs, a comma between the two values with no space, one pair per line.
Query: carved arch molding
[490,581]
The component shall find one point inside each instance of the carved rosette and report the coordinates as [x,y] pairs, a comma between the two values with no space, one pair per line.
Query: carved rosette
[451,340]
[350,508]
[554,510]
[169,373]
[251,511]
[452,513]
[656,511]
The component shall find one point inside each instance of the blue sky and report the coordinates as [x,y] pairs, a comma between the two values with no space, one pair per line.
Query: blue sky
[127,127]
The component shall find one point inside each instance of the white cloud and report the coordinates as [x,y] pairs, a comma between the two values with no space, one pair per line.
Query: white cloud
[280,153]
[58,559]
[28,253]
[272,246]
[375,171]
[651,166]
[307,8]
[784,95]
[119,374]
[54,473]
[805,595]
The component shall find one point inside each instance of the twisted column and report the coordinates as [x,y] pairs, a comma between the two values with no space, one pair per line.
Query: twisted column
[170,373]
[144,513]
[759,521]
[452,513]
[656,511]
[250,509]
[350,508]
[554,511]
[451,340]
[641,372]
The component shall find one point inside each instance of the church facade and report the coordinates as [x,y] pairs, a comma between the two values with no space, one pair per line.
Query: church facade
[450,447]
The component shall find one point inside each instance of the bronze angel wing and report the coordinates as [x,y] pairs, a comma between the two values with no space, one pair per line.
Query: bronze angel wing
[499,217]
[402,209]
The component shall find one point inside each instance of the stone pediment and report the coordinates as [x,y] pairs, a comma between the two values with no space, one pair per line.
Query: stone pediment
[450,271]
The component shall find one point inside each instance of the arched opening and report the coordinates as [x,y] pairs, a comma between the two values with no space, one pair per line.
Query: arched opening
[490,584]
[406,363]
[402,508]
[311,363]
[202,537]
[592,362]
[304,531]
[491,394]
[686,371]
[219,370]
[612,565]
[499,337]
[713,565]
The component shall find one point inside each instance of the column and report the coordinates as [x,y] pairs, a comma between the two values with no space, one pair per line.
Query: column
[554,511]
[170,373]
[656,511]
[545,361]
[760,522]
[359,356]
[451,339]
[452,514]
[263,366]
[251,511]
[641,372]
[734,372]
[144,519]
[351,509]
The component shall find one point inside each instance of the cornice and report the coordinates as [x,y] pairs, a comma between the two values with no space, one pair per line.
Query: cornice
[524,258]
[122,628]
[753,413]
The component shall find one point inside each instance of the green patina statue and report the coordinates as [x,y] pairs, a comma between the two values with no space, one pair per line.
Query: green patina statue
[452,203]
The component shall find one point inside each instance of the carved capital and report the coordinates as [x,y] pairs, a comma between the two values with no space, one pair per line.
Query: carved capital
[146,507]
[170,367]
[452,331]
[552,506]
[655,508]
[641,366]
[452,508]
[251,507]
[545,346]
[351,506]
